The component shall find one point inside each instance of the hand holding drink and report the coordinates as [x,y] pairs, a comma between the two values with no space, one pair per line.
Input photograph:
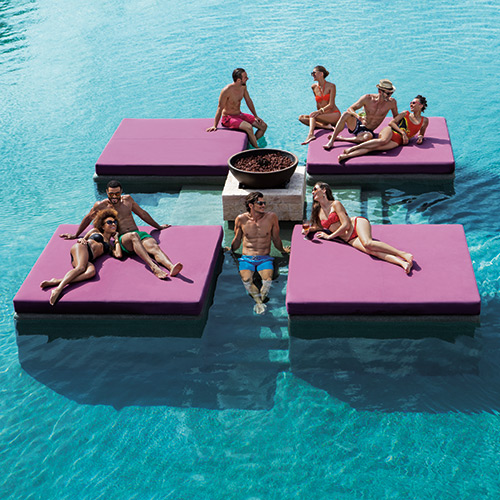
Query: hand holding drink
[306,225]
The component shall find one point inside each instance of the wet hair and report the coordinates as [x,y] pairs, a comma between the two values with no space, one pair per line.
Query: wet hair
[423,101]
[114,184]
[251,198]
[102,215]
[323,70]
[316,206]
[238,73]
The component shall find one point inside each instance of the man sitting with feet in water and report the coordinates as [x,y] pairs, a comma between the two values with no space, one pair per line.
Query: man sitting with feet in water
[132,240]
[257,228]
[376,107]
[229,109]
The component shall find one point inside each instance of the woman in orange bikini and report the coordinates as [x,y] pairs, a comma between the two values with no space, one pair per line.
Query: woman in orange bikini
[327,114]
[398,133]
[329,220]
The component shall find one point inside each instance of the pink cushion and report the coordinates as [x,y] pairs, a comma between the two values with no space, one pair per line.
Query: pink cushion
[128,286]
[329,277]
[433,156]
[169,147]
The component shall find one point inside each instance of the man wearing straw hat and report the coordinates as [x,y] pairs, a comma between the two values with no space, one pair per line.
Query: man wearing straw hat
[376,107]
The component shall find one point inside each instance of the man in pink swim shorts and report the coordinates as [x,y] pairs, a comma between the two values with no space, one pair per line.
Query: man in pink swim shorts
[229,109]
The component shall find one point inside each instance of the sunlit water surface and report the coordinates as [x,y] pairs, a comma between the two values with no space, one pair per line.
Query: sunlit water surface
[245,412]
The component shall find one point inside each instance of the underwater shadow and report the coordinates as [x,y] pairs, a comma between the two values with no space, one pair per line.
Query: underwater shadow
[433,374]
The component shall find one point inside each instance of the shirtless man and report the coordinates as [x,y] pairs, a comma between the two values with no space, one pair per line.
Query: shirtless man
[257,228]
[362,127]
[229,108]
[131,239]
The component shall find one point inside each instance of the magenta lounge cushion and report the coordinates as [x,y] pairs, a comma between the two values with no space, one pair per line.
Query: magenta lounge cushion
[169,147]
[128,286]
[433,156]
[328,277]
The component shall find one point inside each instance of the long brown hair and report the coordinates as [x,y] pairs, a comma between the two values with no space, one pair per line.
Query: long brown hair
[315,221]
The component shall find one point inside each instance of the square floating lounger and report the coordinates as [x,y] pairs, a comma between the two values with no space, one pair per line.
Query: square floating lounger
[332,278]
[169,147]
[127,287]
[434,156]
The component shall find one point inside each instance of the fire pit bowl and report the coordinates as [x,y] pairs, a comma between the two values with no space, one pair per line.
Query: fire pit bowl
[263,180]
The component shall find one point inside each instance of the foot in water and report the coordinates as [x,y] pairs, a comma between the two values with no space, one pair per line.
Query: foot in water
[259,308]
[176,269]
[308,140]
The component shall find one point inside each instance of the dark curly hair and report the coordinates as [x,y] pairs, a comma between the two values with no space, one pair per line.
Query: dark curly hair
[423,101]
[323,70]
[102,215]
[317,207]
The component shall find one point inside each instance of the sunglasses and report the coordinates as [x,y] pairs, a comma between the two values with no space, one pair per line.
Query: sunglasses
[114,195]
[111,222]
[313,73]
[387,92]
[261,203]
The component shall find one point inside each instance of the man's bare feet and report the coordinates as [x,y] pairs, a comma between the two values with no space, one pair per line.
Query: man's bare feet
[328,146]
[259,308]
[158,272]
[176,269]
[54,296]
[309,139]
[49,283]
[343,157]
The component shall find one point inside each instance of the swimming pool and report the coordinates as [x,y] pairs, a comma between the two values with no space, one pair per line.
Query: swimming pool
[245,412]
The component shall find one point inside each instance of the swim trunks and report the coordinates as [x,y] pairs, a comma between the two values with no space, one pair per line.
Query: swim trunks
[234,121]
[142,235]
[256,262]
[360,128]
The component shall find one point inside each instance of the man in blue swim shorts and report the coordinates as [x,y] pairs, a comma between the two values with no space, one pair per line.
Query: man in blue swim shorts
[131,239]
[362,126]
[256,229]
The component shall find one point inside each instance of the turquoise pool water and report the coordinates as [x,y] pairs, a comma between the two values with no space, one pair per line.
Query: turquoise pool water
[245,412]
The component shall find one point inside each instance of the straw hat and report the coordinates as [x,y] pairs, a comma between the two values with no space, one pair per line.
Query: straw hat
[385,84]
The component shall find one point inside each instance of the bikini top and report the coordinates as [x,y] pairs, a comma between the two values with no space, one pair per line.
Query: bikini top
[320,98]
[97,237]
[410,127]
[332,219]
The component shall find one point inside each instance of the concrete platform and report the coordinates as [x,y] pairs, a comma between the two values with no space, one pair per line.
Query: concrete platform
[287,203]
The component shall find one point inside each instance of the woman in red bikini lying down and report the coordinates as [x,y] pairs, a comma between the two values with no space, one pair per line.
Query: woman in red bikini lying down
[398,133]
[329,220]
[87,249]
[327,114]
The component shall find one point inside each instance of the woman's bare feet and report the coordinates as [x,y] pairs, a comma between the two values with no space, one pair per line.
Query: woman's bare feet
[54,296]
[343,157]
[176,269]
[407,267]
[309,139]
[49,283]
[408,257]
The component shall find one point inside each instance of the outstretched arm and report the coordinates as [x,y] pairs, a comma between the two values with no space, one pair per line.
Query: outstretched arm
[85,222]
[275,235]
[420,137]
[218,114]
[238,235]
[140,212]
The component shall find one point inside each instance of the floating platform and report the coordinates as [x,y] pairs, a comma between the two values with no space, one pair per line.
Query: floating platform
[124,290]
[333,279]
[434,157]
[169,148]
